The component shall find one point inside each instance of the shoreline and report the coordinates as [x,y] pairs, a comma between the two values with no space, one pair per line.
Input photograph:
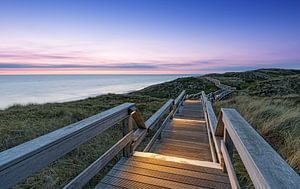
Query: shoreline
[95,94]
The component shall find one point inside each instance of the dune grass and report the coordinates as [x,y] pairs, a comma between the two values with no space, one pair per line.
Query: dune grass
[171,89]
[277,120]
[19,124]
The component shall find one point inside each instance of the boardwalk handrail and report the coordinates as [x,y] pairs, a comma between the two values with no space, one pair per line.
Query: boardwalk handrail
[263,164]
[19,162]
[179,100]
[156,119]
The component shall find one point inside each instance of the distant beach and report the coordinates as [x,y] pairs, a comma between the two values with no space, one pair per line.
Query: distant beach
[24,89]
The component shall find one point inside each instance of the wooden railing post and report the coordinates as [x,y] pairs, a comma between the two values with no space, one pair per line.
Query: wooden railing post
[229,148]
[228,143]
[127,128]
[173,108]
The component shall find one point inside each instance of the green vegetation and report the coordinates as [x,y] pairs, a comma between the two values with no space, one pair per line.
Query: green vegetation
[173,88]
[245,80]
[276,119]
[19,124]
[269,100]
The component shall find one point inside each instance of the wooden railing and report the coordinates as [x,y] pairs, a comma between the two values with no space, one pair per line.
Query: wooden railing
[21,161]
[263,164]
[178,101]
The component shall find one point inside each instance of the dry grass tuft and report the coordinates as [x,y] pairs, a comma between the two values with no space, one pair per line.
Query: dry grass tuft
[277,119]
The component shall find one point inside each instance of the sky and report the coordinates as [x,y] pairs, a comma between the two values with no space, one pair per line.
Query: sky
[147,36]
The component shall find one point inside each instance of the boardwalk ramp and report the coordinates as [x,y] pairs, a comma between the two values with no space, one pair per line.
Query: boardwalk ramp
[191,148]
[181,158]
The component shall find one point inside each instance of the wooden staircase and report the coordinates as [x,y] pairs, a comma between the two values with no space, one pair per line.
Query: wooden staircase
[180,158]
[147,170]
[186,134]
[191,148]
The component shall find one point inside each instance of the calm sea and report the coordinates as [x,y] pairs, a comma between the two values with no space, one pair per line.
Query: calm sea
[24,89]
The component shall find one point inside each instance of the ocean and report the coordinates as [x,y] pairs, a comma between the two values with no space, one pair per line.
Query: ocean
[24,89]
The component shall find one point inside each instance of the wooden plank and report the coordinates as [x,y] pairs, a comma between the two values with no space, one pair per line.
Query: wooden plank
[125,183]
[140,134]
[172,170]
[96,166]
[179,99]
[158,132]
[182,143]
[138,137]
[200,134]
[198,166]
[197,150]
[106,186]
[199,127]
[155,118]
[171,175]
[21,161]
[186,137]
[185,154]
[209,134]
[212,121]
[150,180]
[136,115]
[211,116]
[165,159]
[229,167]
[264,165]
[127,128]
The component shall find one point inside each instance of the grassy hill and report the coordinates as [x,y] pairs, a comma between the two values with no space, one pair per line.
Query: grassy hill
[19,124]
[262,77]
[172,88]
[268,99]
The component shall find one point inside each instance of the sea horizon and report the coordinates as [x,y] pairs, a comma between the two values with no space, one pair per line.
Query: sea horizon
[57,88]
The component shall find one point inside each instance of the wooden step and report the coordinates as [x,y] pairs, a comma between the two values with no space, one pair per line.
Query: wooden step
[141,172]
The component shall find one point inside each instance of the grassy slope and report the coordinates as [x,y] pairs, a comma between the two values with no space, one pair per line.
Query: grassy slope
[22,123]
[173,88]
[245,80]
[19,124]
[277,119]
[269,100]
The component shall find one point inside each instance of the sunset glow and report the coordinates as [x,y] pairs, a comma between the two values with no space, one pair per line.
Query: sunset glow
[147,37]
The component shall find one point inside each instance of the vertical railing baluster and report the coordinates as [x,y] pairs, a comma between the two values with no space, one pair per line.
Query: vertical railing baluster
[229,147]
[127,127]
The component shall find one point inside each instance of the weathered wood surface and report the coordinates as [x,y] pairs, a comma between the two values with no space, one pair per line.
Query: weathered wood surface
[229,167]
[136,115]
[21,161]
[158,132]
[212,122]
[183,156]
[158,115]
[141,133]
[264,165]
[140,172]
[186,134]
[180,98]
[209,133]
[96,166]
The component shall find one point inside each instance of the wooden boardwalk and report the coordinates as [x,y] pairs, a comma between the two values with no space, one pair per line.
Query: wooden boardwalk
[191,148]
[181,158]
[186,135]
